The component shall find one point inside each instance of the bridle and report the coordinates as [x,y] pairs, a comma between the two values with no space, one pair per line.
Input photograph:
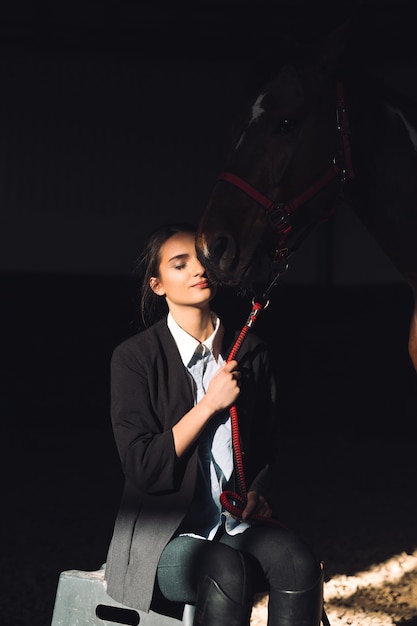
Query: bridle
[281,214]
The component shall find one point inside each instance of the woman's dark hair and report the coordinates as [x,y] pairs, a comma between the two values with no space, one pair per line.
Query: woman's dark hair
[153,307]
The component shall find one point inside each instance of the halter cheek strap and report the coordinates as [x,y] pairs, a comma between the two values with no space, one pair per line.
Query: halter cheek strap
[280,212]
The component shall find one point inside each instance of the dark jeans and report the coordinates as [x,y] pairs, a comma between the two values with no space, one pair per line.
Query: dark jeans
[263,558]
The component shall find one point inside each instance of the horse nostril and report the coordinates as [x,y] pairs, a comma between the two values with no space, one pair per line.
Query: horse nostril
[223,251]
[219,247]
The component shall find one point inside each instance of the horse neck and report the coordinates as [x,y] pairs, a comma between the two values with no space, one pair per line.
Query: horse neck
[382,122]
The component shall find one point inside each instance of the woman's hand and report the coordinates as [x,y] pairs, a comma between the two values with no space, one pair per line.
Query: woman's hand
[221,393]
[256,505]
[223,388]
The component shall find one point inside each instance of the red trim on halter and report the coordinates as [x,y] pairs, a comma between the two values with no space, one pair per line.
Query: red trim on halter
[280,213]
[290,207]
[235,180]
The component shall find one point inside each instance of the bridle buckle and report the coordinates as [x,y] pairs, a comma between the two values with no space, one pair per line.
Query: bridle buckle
[278,215]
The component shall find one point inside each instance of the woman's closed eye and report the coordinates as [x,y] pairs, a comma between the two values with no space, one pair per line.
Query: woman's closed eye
[179,261]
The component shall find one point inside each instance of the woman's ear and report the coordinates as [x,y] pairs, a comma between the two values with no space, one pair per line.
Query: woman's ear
[156,287]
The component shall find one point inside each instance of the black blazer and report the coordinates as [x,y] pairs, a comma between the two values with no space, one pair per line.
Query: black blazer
[150,392]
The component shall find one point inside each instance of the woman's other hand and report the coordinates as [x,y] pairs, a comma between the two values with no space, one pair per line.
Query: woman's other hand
[256,505]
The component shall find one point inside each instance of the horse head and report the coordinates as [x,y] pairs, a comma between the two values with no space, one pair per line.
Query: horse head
[283,174]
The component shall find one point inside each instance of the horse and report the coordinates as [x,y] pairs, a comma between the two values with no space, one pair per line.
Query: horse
[319,132]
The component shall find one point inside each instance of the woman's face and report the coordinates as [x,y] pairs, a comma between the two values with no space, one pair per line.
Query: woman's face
[182,277]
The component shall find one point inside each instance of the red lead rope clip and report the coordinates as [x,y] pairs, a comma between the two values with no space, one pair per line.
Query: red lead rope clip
[256,309]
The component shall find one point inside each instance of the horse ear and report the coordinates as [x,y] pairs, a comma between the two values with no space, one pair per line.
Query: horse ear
[330,51]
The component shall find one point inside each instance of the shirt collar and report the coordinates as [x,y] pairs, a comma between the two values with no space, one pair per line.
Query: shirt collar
[187,344]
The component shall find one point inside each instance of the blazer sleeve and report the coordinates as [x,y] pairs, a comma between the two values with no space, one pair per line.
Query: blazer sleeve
[141,423]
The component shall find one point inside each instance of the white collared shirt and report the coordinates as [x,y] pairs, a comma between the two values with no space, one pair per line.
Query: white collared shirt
[202,361]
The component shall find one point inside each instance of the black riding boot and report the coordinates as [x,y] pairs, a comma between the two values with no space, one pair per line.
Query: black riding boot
[215,608]
[297,608]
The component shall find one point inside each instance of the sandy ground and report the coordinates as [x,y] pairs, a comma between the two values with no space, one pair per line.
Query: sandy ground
[384,595]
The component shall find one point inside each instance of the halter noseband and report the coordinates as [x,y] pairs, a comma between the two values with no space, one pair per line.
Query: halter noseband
[281,213]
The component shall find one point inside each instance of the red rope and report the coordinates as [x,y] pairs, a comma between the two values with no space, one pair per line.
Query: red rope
[231,501]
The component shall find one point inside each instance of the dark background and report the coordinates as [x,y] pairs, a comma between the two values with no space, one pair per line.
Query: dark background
[114,118]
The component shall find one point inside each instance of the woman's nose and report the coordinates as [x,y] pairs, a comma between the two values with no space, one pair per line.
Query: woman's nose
[199,268]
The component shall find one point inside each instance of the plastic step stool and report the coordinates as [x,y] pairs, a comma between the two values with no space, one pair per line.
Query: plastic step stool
[82,600]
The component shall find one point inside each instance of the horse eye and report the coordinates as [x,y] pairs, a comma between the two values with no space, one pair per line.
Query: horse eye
[286,125]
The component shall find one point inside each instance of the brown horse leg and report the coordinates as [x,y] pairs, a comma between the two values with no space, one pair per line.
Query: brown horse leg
[412,339]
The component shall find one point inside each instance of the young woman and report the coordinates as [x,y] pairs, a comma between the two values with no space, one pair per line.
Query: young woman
[171,391]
